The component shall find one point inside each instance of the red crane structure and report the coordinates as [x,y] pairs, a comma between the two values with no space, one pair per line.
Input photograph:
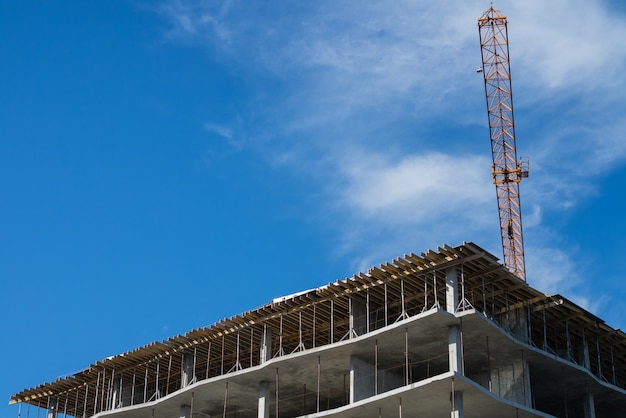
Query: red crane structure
[507,170]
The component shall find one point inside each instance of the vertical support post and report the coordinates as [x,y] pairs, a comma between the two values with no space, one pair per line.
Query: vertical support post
[111,395]
[613,367]
[104,375]
[185,411]
[589,408]
[456,403]
[208,361]
[53,404]
[406,356]
[545,331]
[376,367]
[314,322]
[225,400]
[222,362]
[489,364]
[599,358]
[85,402]
[564,391]
[237,365]
[95,402]
[332,321]
[351,320]
[264,400]
[280,337]
[156,391]
[193,370]
[367,310]
[506,302]
[300,341]
[436,305]
[251,346]
[585,352]
[169,372]
[277,398]
[75,406]
[132,390]
[186,370]
[425,308]
[493,300]
[569,341]
[266,344]
[455,359]
[145,386]
[386,305]
[319,377]
[452,285]
[484,296]
[403,315]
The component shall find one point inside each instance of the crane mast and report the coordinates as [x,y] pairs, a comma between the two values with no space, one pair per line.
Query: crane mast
[507,170]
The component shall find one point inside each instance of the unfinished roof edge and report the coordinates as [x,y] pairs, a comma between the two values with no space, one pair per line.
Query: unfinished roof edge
[477,262]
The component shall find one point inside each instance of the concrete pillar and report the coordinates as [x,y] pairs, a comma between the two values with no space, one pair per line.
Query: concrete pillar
[187,370]
[264,400]
[358,318]
[584,349]
[115,399]
[452,289]
[52,408]
[363,383]
[455,354]
[589,407]
[266,345]
[518,324]
[457,411]
[185,411]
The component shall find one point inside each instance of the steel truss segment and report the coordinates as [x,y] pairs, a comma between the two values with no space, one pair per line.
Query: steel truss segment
[507,171]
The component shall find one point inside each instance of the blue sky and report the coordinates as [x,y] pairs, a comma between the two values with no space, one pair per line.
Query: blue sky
[166,164]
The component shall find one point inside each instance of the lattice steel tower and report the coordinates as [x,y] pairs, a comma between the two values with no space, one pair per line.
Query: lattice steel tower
[507,170]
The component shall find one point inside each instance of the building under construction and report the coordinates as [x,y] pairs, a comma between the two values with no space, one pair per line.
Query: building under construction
[447,333]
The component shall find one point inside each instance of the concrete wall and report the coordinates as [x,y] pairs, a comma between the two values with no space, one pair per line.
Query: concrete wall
[512,382]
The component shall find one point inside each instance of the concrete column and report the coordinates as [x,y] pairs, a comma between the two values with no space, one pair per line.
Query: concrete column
[360,386]
[187,370]
[185,411]
[452,289]
[52,408]
[455,355]
[264,400]
[585,354]
[266,345]
[115,399]
[458,411]
[518,324]
[589,405]
[358,318]
[363,383]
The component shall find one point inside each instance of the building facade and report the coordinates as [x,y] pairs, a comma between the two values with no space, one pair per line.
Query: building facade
[446,333]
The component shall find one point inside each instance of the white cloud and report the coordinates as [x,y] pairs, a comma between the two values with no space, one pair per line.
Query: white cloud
[362,88]
[422,186]
[221,130]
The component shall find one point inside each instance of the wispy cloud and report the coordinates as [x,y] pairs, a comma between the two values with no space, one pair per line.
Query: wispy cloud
[359,96]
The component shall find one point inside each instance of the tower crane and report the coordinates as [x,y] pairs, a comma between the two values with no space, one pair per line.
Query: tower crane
[507,170]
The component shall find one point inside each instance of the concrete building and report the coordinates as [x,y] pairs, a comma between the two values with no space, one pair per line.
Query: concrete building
[447,333]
